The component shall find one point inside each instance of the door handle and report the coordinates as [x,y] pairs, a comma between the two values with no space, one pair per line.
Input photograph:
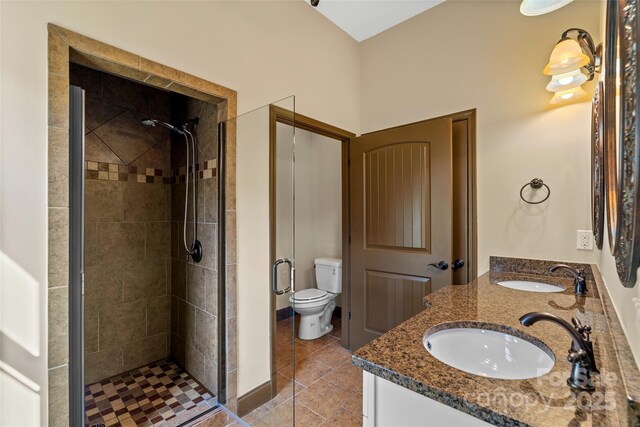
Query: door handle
[457,264]
[274,272]
[442,265]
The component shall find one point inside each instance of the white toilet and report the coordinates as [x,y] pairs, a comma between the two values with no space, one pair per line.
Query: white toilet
[315,306]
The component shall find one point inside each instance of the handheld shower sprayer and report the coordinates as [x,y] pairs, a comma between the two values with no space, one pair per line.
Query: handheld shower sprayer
[193,250]
[154,123]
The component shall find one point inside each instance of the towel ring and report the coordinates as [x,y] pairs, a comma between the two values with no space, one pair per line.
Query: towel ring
[535,183]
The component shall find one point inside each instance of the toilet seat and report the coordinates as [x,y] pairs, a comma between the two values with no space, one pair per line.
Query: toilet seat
[312,295]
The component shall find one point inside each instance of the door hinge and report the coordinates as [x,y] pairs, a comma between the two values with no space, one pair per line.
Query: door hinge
[349,315]
[348,163]
[349,238]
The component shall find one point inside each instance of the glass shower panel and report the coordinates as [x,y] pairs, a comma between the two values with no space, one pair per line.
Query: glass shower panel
[260,262]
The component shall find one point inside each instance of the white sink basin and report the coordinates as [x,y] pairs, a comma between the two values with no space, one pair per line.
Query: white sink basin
[489,353]
[524,285]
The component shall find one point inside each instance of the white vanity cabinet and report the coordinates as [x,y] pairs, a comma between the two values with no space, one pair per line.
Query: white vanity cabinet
[385,404]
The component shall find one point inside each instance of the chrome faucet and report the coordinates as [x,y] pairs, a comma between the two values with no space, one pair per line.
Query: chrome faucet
[580,282]
[581,356]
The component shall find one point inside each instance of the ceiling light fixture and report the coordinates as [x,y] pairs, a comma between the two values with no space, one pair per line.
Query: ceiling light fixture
[540,7]
[566,62]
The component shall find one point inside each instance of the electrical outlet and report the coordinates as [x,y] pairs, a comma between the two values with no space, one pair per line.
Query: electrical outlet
[585,240]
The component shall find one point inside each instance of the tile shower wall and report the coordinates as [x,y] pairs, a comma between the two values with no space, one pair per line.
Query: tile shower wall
[127,224]
[194,287]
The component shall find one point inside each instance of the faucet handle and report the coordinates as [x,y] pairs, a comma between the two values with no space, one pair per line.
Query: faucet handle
[583,329]
[577,356]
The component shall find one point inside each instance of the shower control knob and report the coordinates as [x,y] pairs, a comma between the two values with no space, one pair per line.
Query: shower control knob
[196,251]
[442,265]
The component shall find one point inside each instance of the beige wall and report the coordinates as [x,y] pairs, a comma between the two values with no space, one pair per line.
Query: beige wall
[254,267]
[264,50]
[326,186]
[318,198]
[486,55]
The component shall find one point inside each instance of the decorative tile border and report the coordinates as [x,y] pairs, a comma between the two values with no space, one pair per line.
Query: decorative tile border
[116,172]
[205,170]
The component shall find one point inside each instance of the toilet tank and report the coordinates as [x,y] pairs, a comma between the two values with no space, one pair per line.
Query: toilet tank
[329,274]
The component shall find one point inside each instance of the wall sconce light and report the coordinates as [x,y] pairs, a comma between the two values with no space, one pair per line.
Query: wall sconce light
[568,59]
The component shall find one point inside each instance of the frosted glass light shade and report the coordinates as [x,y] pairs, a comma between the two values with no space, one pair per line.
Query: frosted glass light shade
[566,56]
[540,7]
[566,81]
[569,96]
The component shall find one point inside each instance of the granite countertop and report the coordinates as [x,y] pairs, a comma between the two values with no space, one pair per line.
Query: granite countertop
[400,357]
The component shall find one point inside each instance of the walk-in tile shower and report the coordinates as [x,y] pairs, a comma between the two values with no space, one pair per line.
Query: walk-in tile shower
[165,339]
[150,310]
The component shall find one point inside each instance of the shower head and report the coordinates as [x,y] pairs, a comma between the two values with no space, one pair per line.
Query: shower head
[148,122]
[154,122]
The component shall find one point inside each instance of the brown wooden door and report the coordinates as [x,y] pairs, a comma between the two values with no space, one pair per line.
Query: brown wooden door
[401,217]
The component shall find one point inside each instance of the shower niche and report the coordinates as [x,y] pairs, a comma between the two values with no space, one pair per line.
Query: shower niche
[150,306]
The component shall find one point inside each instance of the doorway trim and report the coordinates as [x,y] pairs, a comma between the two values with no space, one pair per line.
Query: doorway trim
[299,121]
[472,197]
[65,46]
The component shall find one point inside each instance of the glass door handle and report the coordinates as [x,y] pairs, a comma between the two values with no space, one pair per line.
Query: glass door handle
[274,271]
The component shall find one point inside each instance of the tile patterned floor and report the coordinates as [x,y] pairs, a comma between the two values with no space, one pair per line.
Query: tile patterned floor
[160,393]
[328,387]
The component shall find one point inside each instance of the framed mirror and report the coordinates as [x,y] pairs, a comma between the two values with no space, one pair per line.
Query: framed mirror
[610,56]
[597,165]
[621,150]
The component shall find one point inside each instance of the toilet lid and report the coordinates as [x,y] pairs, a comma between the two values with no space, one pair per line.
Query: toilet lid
[309,295]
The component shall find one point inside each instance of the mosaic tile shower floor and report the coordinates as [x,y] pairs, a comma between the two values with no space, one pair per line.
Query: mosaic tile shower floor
[160,393]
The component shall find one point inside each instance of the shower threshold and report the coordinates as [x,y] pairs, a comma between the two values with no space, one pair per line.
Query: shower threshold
[160,393]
